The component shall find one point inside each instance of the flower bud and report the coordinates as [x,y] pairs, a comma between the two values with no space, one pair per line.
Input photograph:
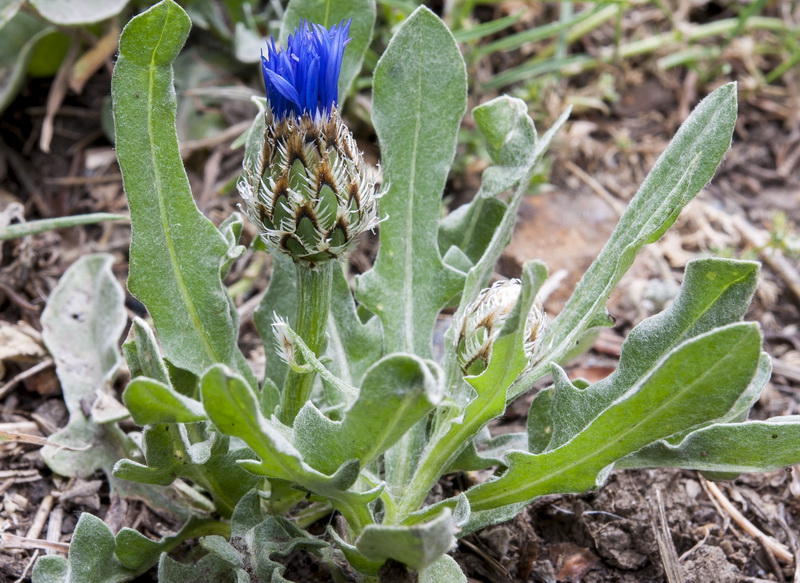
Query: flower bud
[307,188]
[483,320]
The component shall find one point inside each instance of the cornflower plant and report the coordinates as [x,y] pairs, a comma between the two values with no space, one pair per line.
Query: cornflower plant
[355,416]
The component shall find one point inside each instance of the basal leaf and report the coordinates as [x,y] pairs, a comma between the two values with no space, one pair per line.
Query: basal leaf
[715,292]
[419,98]
[752,446]
[417,546]
[176,253]
[696,383]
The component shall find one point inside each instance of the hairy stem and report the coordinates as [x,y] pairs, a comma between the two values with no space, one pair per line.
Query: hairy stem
[314,288]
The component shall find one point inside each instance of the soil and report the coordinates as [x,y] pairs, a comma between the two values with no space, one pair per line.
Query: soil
[641,526]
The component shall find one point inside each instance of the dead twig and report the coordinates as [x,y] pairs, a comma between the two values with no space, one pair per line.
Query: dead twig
[780,550]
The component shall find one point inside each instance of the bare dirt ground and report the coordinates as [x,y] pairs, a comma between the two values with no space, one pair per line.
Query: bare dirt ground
[641,526]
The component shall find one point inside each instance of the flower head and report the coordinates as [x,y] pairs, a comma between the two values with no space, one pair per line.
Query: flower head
[306,185]
[483,320]
[304,78]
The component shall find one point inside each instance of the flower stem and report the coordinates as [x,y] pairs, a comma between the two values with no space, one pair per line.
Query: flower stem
[314,288]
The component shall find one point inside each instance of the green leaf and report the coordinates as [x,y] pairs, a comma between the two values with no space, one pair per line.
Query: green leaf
[417,546]
[19,35]
[696,383]
[150,402]
[280,299]
[91,558]
[714,292]
[419,98]
[210,568]
[327,13]
[81,325]
[443,570]
[176,253]
[753,446]
[352,346]
[142,353]
[681,171]
[485,400]
[163,466]
[511,139]
[77,12]
[232,406]
[397,392]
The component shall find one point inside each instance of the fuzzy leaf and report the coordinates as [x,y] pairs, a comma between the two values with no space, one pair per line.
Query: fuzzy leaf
[177,255]
[417,546]
[417,107]
[443,570]
[142,353]
[696,383]
[397,392]
[715,292]
[233,407]
[150,402]
[753,446]
[680,172]
[77,12]
[352,346]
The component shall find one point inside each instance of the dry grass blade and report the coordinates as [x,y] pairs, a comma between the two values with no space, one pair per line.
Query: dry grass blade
[780,550]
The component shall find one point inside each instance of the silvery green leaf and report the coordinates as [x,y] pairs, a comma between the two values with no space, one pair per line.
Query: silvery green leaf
[681,171]
[397,392]
[142,353]
[162,466]
[715,292]
[696,383]
[231,229]
[330,12]
[491,453]
[418,545]
[177,254]
[78,11]
[209,568]
[443,570]
[21,33]
[752,446]
[151,402]
[232,406]
[487,399]
[417,107]
[281,300]
[353,346]
[91,558]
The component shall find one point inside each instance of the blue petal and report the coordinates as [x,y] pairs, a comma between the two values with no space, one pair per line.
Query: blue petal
[304,77]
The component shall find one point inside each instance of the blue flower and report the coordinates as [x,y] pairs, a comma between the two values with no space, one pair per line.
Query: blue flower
[304,78]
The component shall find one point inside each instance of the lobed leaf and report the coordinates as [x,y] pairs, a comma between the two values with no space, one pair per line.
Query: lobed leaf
[681,171]
[417,107]
[418,545]
[177,254]
[398,391]
[696,383]
[715,292]
[151,402]
[753,446]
